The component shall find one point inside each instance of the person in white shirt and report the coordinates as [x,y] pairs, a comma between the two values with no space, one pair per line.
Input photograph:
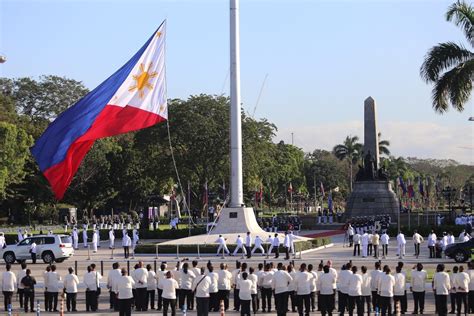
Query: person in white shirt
[254,279]
[374,282]
[112,277]
[84,236]
[161,276]
[94,241]
[20,235]
[365,244]
[8,285]
[431,244]
[75,238]
[280,282]
[441,287]
[343,287]
[70,287]
[239,246]
[201,286]
[451,239]
[417,240]
[461,235]
[151,287]
[248,245]
[185,281]
[470,299]
[222,245]
[224,285]
[292,288]
[366,289]
[356,243]
[384,239]
[355,293]
[123,287]
[135,239]
[401,242]
[313,286]
[452,291]
[126,243]
[287,245]
[51,284]
[3,243]
[303,281]
[461,283]
[292,242]
[276,246]
[399,289]
[213,289]
[269,241]
[91,281]
[19,276]
[265,283]
[350,233]
[258,246]
[111,239]
[385,288]
[140,276]
[326,286]
[245,294]
[417,286]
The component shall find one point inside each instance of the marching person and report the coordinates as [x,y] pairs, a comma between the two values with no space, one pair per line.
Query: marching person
[384,239]
[201,287]
[123,287]
[112,277]
[111,239]
[326,289]
[75,238]
[70,287]
[19,277]
[258,246]
[248,245]
[8,285]
[224,285]
[417,240]
[28,283]
[418,280]
[126,243]
[401,242]
[151,286]
[222,245]
[240,245]
[441,286]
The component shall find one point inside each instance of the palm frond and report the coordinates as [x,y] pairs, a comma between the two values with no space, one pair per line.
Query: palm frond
[461,85]
[462,14]
[443,57]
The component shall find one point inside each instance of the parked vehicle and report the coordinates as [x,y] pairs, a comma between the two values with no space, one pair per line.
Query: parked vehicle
[461,251]
[50,248]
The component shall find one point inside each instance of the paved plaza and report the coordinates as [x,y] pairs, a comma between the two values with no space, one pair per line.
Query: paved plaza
[337,253]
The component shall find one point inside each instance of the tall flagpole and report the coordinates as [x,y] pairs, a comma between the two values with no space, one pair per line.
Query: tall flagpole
[236,186]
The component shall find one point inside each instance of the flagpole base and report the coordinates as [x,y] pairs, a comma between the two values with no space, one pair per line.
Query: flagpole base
[237,220]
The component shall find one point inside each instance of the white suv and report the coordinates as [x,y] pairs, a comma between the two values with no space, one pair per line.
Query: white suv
[50,248]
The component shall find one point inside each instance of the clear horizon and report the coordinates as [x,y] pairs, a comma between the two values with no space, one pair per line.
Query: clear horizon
[323,58]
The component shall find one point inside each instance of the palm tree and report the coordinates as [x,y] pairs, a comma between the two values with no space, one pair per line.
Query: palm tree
[349,150]
[383,146]
[450,66]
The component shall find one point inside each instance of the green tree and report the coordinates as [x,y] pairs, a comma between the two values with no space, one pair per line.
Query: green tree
[383,145]
[450,66]
[350,150]
[14,144]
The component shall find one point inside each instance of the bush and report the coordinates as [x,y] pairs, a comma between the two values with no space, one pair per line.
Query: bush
[212,248]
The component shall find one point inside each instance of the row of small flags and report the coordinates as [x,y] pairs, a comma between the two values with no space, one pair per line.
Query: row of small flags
[408,189]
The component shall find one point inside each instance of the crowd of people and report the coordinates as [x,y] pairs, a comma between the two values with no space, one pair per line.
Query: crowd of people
[280,223]
[304,288]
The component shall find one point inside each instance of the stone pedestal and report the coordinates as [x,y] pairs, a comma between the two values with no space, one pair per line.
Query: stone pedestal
[370,198]
[238,220]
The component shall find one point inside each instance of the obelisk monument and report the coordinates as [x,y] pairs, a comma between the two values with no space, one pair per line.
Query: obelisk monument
[372,194]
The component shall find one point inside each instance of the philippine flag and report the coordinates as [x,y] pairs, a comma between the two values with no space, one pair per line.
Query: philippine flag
[132,98]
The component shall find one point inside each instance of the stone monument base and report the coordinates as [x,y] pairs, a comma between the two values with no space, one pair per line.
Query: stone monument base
[237,220]
[370,198]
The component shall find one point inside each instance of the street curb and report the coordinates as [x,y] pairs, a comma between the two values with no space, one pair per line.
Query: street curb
[318,248]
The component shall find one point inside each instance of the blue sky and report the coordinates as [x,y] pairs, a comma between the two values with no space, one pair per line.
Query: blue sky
[323,58]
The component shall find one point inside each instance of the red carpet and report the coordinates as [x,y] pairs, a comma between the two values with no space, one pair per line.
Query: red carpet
[328,233]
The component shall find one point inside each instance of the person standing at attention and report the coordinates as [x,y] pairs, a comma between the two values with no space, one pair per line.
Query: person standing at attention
[441,287]
[70,286]
[8,285]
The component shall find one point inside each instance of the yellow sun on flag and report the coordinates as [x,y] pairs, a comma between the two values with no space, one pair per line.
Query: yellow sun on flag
[142,80]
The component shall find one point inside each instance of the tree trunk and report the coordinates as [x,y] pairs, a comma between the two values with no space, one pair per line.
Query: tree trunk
[350,168]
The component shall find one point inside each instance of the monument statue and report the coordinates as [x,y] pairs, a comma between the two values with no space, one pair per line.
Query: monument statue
[372,194]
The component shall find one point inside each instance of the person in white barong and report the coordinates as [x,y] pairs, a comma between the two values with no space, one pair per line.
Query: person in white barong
[270,242]
[94,241]
[135,239]
[222,245]
[240,245]
[75,238]
[84,237]
[111,239]
[365,244]
[20,235]
[258,245]
[97,231]
[401,242]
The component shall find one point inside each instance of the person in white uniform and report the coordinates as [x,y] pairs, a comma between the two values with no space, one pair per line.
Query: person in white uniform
[258,246]
[441,287]
[240,246]
[303,282]
[84,237]
[3,243]
[269,241]
[124,289]
[248,245]
[365,244]
[135,239]
[8,285]
[355,293]
[71,281]
[112,278]
[94,241]
[111,239]
[417,287]
[401,242]
[75,238]
[417,240]
[432,243]
[276,245]
[384,239]
[222,245]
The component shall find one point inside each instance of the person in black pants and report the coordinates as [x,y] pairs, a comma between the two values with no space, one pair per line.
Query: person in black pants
[20,276]
[236,290]
[7,295]
[28,283]
[160,291]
